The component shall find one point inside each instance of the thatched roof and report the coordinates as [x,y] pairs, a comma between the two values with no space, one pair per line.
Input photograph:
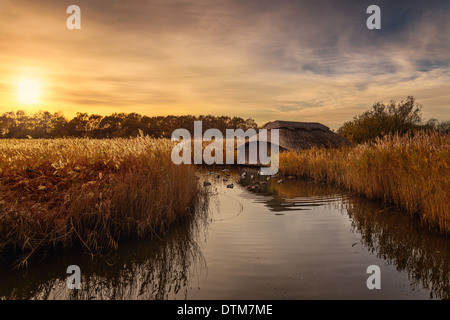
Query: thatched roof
[304,135]
[292,125]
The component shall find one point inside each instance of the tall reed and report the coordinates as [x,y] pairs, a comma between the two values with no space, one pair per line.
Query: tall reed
[67,192]
[411,171]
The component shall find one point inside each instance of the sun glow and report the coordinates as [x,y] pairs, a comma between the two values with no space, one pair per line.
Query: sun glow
[28,91]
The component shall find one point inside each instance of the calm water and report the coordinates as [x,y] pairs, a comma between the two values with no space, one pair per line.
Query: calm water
[296,240]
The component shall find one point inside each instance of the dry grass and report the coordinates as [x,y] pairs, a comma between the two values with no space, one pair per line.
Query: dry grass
[64,192]
[410,171]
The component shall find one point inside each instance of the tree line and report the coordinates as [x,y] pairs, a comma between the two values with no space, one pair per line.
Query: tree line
[44,124]
[381,119]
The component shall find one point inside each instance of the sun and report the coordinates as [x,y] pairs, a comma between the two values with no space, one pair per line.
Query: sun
[28,91]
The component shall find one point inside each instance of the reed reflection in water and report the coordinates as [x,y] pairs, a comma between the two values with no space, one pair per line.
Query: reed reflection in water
[389,233]
[299,237]
[401,241]
[156,268]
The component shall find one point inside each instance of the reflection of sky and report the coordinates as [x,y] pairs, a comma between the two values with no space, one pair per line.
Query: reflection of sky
[306,254]
[303,60]
[248,251]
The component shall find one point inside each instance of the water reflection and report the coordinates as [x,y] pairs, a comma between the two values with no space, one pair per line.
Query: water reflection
[290,194]
[157,268]
[403,242]
[168,267]
[389,233]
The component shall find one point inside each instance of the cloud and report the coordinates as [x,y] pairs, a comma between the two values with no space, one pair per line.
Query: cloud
[304,60]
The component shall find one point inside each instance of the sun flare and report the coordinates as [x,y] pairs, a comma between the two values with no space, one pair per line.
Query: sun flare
[28,91]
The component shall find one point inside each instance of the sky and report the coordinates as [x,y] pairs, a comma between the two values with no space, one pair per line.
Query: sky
[313,61]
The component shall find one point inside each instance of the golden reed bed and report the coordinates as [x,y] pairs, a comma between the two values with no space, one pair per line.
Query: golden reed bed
[412,172]
[63,192]
[92,193]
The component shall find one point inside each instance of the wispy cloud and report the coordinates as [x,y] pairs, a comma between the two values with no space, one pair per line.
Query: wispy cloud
[304,60]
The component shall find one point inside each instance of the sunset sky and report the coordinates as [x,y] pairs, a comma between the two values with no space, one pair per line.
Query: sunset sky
[265,59]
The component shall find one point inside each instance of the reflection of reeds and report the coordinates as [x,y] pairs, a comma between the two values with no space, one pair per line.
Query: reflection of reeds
[396,238]
[151,268]
[410,171]
[387,233]
[62,192]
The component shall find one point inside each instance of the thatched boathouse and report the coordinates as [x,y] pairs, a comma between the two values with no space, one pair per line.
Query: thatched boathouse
[295,136]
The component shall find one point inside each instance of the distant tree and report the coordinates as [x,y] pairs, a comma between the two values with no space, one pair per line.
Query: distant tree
[42,126]
[58,126]
[93,125]
[383,119]
[7,121]
[132,124]
[110,126]
[79,126]
[434,124]
[444,126]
